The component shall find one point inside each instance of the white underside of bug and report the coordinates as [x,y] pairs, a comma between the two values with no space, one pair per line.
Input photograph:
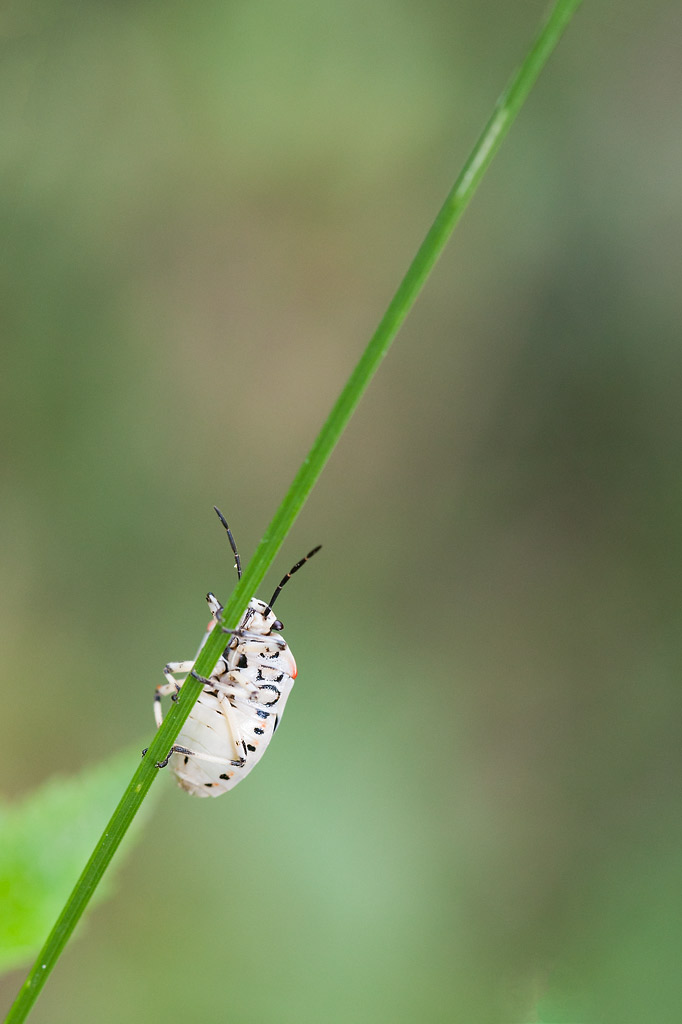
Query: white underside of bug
[235,716]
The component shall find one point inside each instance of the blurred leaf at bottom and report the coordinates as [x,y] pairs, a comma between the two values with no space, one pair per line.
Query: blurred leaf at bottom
[45,842]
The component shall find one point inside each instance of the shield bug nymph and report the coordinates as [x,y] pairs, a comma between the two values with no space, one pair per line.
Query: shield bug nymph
[236,714]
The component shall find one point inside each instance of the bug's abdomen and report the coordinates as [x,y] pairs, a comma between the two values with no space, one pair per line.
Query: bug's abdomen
[206,732]
[235,717]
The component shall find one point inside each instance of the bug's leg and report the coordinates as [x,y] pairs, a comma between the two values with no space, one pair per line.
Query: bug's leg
[171,686]
[217,612]
[200,757]
[262,689]
[174,667]
[260,638]
[171,669]
[236,684]
[244,634]
[201,679]
[234,730]
[162,690]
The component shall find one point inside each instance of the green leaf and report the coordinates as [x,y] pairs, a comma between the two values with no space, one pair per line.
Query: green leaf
[44,841]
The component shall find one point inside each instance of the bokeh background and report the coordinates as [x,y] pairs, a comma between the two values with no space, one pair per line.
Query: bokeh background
[472,811]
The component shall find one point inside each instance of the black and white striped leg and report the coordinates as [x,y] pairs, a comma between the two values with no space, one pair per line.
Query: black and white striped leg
[171,687]
[200,757]
[201,679]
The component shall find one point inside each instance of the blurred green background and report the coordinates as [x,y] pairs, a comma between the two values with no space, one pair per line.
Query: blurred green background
[472,812]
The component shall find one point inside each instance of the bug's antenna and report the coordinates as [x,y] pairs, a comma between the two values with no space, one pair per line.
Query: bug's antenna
[237,560]
[291,573]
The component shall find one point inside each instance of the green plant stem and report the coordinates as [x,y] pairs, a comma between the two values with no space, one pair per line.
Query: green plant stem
[431,248]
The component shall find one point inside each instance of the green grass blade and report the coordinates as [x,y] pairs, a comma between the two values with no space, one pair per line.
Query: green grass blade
[431,248]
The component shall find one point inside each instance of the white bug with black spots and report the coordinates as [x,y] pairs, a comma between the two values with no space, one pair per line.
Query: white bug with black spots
[237,712]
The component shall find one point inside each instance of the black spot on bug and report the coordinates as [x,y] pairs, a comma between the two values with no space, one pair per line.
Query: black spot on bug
[263,714]
[224,776]
[186,760]
[243,662]
[279,678]
[259,732]
[250,747]
[260,675]
[214,693]
[208,784]
[274,728]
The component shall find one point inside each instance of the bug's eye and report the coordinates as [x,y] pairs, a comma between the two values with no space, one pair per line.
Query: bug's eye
[277,625]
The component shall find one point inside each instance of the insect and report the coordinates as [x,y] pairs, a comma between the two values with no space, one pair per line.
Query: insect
[241,704]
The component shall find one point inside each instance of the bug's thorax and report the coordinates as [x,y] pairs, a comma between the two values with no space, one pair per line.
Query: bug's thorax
[258,642]
[260,618]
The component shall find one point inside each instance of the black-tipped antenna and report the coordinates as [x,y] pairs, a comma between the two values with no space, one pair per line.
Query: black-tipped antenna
[291,573]
[237,560]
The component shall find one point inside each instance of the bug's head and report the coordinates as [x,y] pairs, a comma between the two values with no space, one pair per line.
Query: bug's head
[260,618]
